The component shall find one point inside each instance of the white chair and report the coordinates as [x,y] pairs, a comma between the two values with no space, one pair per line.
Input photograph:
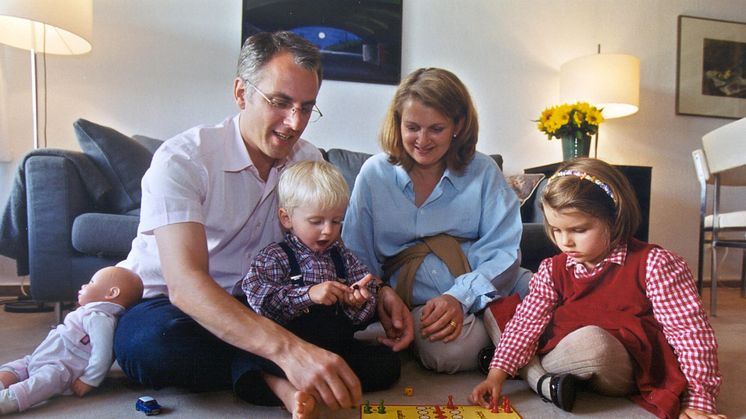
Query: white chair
[721,162]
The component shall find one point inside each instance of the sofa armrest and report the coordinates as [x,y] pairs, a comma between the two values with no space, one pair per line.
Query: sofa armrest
[55,195]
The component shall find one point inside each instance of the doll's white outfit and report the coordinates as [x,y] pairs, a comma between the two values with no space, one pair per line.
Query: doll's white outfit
[81,347]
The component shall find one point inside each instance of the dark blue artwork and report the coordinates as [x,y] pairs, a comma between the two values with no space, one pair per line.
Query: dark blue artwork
[360,40]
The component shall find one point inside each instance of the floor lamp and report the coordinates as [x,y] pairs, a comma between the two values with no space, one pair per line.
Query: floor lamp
[607,81]
[60,27]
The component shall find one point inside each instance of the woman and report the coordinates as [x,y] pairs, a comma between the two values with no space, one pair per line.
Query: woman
[436,219]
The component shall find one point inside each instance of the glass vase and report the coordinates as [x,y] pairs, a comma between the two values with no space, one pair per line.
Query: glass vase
[573,147]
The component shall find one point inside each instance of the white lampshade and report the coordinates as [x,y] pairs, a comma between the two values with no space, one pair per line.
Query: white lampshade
[608,81]
[61,27]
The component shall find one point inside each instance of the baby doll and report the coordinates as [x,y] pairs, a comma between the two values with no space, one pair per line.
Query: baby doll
[76,355]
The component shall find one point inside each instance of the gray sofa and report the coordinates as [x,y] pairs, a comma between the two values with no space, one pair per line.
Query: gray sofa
[82,209]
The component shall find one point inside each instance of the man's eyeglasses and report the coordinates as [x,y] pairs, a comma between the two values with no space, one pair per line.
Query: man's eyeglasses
[310,112]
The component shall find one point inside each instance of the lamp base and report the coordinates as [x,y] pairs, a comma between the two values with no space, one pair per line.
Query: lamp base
[27,305]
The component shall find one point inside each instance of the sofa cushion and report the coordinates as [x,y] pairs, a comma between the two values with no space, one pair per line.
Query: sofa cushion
[531,208]
[348,162]
[524,185]
[122,160]
[150,143]
[120,229]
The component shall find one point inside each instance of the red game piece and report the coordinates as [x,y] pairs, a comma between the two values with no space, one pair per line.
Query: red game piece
[506,405]
[493,405]
[450,404]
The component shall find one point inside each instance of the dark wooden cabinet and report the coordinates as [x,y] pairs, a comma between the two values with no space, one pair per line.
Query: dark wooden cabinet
[639,177]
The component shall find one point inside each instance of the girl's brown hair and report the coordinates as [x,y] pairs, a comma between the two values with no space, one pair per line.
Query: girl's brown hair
[615,204]
[443,91]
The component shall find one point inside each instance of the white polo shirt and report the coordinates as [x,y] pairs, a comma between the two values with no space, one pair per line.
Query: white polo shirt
[205,175]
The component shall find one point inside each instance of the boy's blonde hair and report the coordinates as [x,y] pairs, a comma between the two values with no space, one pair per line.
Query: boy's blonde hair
[312,182]
[598,189]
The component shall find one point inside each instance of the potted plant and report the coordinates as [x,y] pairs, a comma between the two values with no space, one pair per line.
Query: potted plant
[573,124]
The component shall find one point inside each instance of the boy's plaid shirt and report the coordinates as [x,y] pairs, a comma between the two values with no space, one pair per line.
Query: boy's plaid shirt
[269,290]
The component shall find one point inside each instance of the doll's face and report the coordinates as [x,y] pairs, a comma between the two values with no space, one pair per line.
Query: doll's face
[96,290]
[113,284]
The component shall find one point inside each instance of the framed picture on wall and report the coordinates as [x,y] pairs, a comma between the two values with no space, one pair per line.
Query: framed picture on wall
[359,40]
[711,79]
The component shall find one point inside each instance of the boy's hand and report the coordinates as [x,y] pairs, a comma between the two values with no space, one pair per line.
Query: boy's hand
[358,292]
[489,389]
[80,388]
[328,292]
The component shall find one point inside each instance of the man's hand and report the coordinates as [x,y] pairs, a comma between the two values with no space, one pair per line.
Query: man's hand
[396,320]
[321,373]
[80,388]
[442,319]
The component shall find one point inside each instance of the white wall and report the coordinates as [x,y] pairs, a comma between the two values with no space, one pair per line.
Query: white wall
[160,67]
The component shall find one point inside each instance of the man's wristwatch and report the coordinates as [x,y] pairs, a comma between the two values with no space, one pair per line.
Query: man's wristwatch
[380,284]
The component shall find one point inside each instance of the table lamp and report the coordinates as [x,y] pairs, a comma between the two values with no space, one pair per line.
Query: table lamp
[61,27]
[607,81]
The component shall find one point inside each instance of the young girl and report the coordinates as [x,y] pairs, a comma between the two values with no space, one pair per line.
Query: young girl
[621,315]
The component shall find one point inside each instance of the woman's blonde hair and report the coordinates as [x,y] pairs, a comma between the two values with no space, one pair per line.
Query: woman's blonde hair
[443,91]
[312,182]
[598,189]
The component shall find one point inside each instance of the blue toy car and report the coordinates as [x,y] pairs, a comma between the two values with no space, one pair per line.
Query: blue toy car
[148,405]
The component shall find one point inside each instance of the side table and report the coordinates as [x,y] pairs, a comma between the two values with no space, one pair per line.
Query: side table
[640,178]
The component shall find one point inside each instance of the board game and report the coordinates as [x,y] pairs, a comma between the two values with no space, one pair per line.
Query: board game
[398,411]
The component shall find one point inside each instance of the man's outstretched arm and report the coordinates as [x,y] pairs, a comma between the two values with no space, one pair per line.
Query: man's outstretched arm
[184,261]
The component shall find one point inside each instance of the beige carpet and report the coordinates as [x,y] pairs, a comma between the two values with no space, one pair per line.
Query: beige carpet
[20,333]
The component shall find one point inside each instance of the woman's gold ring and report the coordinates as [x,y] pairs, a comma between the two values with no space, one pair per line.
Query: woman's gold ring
[453,324]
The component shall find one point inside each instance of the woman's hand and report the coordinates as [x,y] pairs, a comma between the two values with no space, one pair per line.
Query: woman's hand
[442,319]
[689,413]
[489,389]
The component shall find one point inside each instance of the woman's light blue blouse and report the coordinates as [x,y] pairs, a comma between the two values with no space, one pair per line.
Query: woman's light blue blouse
[476,205]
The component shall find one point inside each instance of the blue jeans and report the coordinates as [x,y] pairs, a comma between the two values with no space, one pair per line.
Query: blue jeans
[377,366]
[157,345]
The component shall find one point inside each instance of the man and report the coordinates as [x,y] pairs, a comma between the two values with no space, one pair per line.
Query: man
[208,207]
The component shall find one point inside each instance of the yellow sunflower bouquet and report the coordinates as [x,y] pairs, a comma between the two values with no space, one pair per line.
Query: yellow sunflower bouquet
[578,121]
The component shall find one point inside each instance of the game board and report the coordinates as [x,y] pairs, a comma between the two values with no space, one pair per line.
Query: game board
[398,411]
